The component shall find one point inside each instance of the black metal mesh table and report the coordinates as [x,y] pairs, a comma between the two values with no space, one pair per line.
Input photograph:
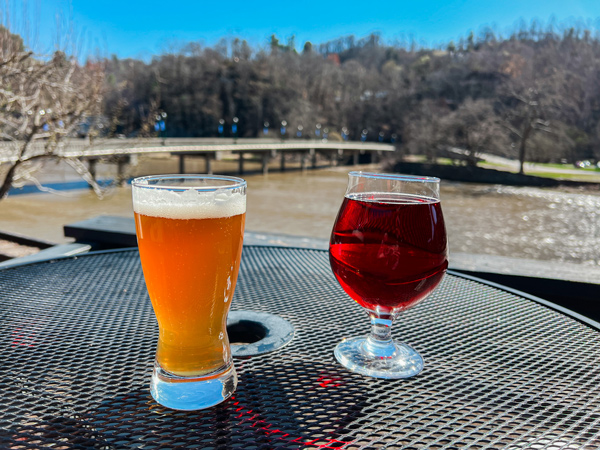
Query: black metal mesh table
[78,337]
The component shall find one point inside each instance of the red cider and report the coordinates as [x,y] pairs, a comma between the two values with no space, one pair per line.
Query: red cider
[389,251]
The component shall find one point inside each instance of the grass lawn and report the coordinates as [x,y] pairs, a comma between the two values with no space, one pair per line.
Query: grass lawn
[590,174]
[567,167]
[584,176]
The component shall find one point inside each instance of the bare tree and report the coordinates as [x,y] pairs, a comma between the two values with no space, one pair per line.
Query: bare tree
[473,128]
[42,101]
[424,135]
[524,118]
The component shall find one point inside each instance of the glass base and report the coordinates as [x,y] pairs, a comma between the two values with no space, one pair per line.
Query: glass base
[192,393]
[402,362]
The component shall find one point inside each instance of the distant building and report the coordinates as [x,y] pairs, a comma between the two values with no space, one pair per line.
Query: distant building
[334,58]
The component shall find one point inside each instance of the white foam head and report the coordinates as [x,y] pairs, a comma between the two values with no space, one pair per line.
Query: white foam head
[189,203]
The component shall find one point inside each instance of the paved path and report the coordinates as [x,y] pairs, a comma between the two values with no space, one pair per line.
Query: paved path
[531,167]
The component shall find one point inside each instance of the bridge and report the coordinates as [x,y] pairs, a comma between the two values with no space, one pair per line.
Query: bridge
[264,150]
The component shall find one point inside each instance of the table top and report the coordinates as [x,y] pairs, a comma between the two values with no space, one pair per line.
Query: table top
[78,336]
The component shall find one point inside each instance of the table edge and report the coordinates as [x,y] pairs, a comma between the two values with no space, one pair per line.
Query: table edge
[566,311]
[572,314]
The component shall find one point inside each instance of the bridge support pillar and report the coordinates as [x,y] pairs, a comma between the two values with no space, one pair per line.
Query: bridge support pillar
[304,161]
[122,162]
[181,163]
[241,164]
[355,156]
[208,164]
[313,158]
[265,163]
[282,166]
[333,157]
[92,167]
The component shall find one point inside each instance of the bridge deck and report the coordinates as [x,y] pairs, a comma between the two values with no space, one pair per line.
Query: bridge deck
[77,148]
[122,149]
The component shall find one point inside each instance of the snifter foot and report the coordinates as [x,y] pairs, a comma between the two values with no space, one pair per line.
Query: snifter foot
[192,393]
[356,355]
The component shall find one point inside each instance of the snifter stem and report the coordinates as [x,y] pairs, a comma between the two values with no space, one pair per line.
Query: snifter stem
[380,342]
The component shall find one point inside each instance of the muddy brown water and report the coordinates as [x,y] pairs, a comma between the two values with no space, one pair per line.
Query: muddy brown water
[543,224]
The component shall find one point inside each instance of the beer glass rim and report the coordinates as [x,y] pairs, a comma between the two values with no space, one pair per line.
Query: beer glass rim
[394,176]
[147,182]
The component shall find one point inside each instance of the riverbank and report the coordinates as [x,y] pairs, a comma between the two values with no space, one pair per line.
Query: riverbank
[476,174]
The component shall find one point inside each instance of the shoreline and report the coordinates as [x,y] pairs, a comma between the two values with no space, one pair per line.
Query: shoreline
[58,178]
[482,175]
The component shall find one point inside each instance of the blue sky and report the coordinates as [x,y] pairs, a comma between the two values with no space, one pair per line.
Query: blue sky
[136,28]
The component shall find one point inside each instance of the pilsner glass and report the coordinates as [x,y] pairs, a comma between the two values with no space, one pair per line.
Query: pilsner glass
[190,230]
[388,250]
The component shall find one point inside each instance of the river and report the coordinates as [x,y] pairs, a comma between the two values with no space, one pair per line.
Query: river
[543,224]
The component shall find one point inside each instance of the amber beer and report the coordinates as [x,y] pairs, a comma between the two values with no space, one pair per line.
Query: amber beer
[190,267]
[190,244]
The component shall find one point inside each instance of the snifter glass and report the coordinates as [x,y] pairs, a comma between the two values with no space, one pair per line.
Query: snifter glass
[190,230]
[388,250]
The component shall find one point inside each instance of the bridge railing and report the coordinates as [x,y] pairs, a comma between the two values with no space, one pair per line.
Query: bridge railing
[264,149]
